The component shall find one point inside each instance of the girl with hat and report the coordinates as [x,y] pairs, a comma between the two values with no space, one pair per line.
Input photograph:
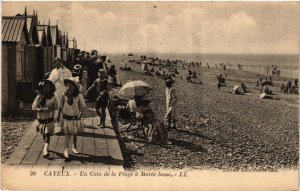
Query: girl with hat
[101,87]
[77,72]
[71,106]
[45,104]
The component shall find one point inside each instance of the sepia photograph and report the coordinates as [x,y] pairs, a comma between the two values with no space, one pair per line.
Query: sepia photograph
[150,95]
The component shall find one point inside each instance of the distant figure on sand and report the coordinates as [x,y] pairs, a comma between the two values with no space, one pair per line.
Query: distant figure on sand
[267,90]
[244,88]
[112,73]
[171,102]
[237,90]
[221,81]
[266,96]
[257,84]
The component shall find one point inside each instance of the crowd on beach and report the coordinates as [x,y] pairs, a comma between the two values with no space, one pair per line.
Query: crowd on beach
[169,69]
[62,90]
[265,90]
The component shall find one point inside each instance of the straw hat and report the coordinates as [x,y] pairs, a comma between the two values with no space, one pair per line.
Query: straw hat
[44,82]
[105,59]
[72,81]
[77,67]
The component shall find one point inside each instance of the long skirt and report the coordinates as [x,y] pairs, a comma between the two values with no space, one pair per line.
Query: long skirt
[170,113]
[157,132]
[45,128]
[72,127]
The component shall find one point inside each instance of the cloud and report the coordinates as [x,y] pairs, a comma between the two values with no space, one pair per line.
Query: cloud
[191,31]
[198,27]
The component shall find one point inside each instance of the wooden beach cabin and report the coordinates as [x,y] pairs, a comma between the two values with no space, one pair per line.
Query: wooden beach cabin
[71,53]
[42,37]
[55,41]
[47,60]
[65,46]
[32,48]
[14,39]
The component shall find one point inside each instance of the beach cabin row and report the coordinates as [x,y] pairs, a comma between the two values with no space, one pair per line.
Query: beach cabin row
[28,51]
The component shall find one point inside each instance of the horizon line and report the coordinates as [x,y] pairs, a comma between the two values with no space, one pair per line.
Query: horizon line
[220,53]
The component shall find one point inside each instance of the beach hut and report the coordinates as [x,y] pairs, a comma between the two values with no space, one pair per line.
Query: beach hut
[65,46]
[31,23]
[14,38]
[46,47]
[40,52]
[42,36]
[71,50]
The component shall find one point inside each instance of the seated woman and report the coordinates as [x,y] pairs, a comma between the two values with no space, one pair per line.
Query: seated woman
[244,88]
[194,75]
[267,96]
[237,90]
[154,128]
[112,73]
[157,133]
[282,88]
[143,110]
[267,90]
[157,73]
[133,104]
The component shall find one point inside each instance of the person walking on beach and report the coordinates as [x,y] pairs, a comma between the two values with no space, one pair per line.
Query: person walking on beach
[257,84]
[171,102]
[71,106]
[45,104]
[101,87]
[57,76]
[80,61]
[92,70]
[112,72]
[60,72]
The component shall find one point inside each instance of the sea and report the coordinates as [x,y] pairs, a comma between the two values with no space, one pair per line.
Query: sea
[257,63]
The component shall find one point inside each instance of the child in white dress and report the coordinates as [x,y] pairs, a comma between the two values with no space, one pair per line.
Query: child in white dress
[71,106]
[45,104]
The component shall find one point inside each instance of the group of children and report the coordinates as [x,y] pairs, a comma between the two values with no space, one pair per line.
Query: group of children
[70,106]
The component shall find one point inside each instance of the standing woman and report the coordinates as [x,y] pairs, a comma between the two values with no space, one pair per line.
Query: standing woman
[101,87]
[71,106]
[45,104]
[171,102]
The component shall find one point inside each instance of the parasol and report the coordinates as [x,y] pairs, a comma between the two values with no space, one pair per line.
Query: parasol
[135,88]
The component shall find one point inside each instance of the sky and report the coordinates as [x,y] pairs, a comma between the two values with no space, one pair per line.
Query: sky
[174,27]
